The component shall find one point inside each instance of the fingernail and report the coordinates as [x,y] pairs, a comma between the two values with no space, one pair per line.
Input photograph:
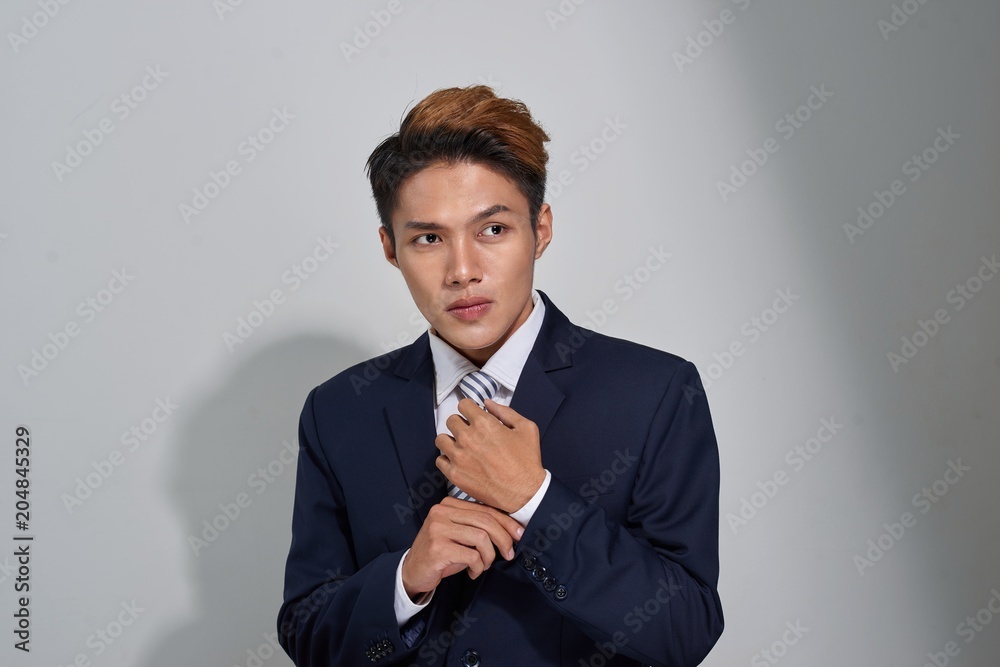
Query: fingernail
[510,555]
[520,532]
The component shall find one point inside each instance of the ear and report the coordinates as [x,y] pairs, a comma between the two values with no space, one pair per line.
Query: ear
[543,230]
[390,254]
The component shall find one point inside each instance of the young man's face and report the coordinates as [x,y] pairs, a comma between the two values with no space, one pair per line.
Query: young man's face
[463,231]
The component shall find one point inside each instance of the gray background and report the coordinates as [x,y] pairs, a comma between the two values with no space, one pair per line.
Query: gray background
[63,236]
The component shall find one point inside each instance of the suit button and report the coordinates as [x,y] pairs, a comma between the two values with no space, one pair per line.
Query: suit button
[529,563]
[471,658]
[539,573]
[549,583]
[561,593]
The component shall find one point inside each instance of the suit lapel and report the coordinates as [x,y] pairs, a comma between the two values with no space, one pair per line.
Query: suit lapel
[536,396]
[410,414]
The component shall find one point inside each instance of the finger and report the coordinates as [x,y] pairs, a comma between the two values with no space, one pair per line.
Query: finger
[501,528]
[456,423]
[445,443]
[496,536]
[513,528]
[468,407]
[507,415]
[509,524]
[467,546]
[446,467]
[477,538]
[470,559]
[458,543]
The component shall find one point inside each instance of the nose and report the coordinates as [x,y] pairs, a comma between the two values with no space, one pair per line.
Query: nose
[463,263]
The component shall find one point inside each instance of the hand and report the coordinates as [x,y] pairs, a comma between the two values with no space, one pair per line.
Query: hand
[495,455]
[457,535]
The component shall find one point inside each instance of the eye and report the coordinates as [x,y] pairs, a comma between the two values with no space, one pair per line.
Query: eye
[415,239]
[497,226]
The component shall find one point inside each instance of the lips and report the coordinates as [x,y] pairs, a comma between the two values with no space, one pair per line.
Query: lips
[469,308]
[467,302]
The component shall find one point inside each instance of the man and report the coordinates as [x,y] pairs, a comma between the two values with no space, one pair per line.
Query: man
[510,489]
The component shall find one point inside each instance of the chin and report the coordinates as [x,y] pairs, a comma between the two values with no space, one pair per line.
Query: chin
[468,340]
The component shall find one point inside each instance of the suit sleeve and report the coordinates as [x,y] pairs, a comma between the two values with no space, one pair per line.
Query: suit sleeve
[648,586]
[335,612]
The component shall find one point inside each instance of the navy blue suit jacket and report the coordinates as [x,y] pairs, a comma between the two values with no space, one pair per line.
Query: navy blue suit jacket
[618,565]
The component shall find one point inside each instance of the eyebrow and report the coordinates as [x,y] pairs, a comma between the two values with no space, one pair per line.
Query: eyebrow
[479,217]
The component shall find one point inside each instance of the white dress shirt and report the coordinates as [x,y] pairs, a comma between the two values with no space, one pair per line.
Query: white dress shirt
[449,368]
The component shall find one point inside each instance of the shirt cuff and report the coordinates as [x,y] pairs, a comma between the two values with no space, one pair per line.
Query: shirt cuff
[404,606]
[523,515]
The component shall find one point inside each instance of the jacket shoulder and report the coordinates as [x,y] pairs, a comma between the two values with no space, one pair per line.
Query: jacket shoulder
[590,347]
[598,346]
[623,365]
[372,376]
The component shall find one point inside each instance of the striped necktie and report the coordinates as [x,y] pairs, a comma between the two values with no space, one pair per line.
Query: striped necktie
[478,386]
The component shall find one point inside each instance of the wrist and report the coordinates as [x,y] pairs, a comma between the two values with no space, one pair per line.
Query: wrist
[403,604]
[530,490]
[524,515]
[416,597]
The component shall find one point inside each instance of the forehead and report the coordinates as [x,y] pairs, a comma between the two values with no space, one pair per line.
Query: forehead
[443,191]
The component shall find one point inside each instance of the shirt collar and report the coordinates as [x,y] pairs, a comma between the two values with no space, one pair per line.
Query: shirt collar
[506,363]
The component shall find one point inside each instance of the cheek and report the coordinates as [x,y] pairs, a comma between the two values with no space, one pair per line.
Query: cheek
[509,264]
[416,274]
[517,271]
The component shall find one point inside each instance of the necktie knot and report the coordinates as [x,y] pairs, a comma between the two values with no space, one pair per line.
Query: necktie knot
[479,386]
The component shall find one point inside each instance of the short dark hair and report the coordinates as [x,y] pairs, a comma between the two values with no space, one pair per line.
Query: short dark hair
[470,125]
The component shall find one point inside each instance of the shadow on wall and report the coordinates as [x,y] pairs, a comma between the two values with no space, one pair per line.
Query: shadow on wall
[242,440]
